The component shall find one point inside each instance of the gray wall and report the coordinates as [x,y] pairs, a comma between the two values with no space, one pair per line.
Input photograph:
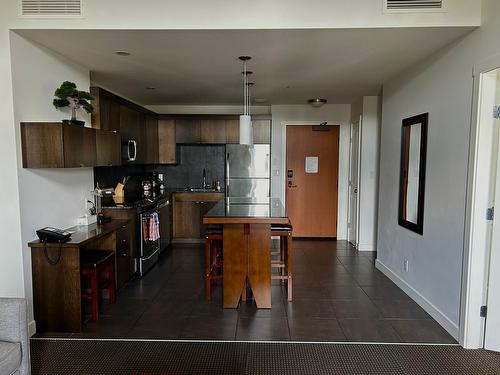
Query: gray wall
[442,86]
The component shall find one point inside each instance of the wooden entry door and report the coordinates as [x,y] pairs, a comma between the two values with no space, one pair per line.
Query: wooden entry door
[312,189]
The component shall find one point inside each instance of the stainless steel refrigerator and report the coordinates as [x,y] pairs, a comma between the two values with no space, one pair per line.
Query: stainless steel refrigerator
[248,178]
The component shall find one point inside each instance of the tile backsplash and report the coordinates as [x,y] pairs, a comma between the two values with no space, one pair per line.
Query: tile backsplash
[187,173]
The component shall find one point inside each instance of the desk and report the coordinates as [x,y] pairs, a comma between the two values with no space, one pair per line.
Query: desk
[247,248]
[56,288]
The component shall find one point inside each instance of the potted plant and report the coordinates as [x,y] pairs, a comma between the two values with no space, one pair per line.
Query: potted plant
[67,95]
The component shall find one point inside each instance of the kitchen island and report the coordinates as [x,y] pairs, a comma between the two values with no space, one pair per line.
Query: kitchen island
[247,248]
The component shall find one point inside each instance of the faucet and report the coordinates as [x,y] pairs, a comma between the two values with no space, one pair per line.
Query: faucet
[204,184]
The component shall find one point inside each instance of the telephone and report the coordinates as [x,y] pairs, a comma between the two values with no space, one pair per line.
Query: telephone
[49,234]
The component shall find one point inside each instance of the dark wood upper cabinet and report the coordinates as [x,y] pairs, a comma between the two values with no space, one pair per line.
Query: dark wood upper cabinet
[152,151]
[54,145]
[213,131]
[108,148]
[232,131]
[166,142]
[106,115]
[261,131]
[187,131]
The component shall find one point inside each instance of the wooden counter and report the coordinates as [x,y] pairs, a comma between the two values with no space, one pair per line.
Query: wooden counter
[56,288]
[247,248]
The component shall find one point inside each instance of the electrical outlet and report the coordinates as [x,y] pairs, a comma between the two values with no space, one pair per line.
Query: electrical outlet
[406,265]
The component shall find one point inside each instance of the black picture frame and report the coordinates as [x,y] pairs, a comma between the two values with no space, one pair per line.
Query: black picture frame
[417,227]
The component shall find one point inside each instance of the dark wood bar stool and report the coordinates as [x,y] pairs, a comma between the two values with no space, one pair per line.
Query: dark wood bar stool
[94,265]
[213,258]
[284,255]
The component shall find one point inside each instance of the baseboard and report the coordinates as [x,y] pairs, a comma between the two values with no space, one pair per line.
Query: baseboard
[423,302]
[31,328]
[365,247]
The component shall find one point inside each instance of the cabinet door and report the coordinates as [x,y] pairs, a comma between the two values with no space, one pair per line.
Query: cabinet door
[261,131]
[166,142]
[232,131]
[123,254]
[187,131]
[129,123]
[151,140]
[213,131]
[204,208]
[109,114]
[186,219]
[79,146]
[108,145]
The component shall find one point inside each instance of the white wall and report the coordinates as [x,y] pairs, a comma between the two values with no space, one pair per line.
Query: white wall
[47,196]
[285,115]
[442,86]
[236,14]
[369,108]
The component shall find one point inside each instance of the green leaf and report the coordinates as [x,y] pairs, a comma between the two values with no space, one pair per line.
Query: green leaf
[60,103]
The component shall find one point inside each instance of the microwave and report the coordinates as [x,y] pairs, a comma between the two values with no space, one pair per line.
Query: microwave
[129,150]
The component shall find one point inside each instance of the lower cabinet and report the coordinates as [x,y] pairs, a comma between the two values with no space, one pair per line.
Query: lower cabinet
[126,243]
[188,211]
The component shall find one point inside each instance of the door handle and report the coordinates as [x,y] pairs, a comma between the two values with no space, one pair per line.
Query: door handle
[291,185]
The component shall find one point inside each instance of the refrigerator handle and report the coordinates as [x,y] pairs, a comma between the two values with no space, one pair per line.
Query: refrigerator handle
[227,174]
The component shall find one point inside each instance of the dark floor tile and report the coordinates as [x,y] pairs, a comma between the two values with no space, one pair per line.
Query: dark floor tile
[406,308]
[168,328]
[368,330]
[248,309]
[262,329]
[422,331]
[362,308]
[348,260]
[312,308]
[311,329]
[385,292]
[208,328]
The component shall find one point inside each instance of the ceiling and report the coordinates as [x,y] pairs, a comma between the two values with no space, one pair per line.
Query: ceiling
[201,66]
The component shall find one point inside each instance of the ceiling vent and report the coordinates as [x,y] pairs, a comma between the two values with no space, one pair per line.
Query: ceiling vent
[51,8]
[413,4]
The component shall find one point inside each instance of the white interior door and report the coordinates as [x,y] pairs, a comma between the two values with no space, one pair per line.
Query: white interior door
[352,223]
[492,327]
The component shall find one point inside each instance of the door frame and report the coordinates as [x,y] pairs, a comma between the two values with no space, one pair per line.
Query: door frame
[359,122]
[343,194]
[476,250]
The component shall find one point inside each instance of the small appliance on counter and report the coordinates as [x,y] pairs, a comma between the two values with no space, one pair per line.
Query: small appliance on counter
[99,194]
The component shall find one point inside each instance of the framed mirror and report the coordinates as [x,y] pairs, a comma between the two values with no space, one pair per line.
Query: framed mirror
[412,172]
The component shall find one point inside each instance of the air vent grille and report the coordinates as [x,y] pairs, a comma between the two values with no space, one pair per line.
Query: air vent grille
[51,7]
[414,4]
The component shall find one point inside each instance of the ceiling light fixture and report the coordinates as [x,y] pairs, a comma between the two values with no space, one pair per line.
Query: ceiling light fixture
[246,130]
[317,102]
[122,53]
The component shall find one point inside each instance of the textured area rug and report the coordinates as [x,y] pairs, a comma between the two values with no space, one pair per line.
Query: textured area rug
[69,356]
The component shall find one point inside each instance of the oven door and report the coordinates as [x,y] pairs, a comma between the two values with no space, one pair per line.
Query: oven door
[150,240]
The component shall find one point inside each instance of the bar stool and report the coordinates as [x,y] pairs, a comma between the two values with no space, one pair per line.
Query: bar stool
[94,263]
[213,257]
[284,262]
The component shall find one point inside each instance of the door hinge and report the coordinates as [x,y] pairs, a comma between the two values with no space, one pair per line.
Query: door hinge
[483,311]
[490,213]
[496,111]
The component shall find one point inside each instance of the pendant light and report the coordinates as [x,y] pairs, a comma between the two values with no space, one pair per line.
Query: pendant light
[246,129]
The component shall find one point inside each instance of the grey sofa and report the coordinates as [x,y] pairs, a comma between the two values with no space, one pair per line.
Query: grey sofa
[14,350]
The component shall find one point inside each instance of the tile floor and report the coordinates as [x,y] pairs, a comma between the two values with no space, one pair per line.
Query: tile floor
[339,295]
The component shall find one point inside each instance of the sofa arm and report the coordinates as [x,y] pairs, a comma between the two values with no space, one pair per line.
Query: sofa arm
[14,327]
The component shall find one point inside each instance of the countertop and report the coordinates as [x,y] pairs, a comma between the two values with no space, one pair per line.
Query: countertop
[82,234]
[273,212]
[157,199]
